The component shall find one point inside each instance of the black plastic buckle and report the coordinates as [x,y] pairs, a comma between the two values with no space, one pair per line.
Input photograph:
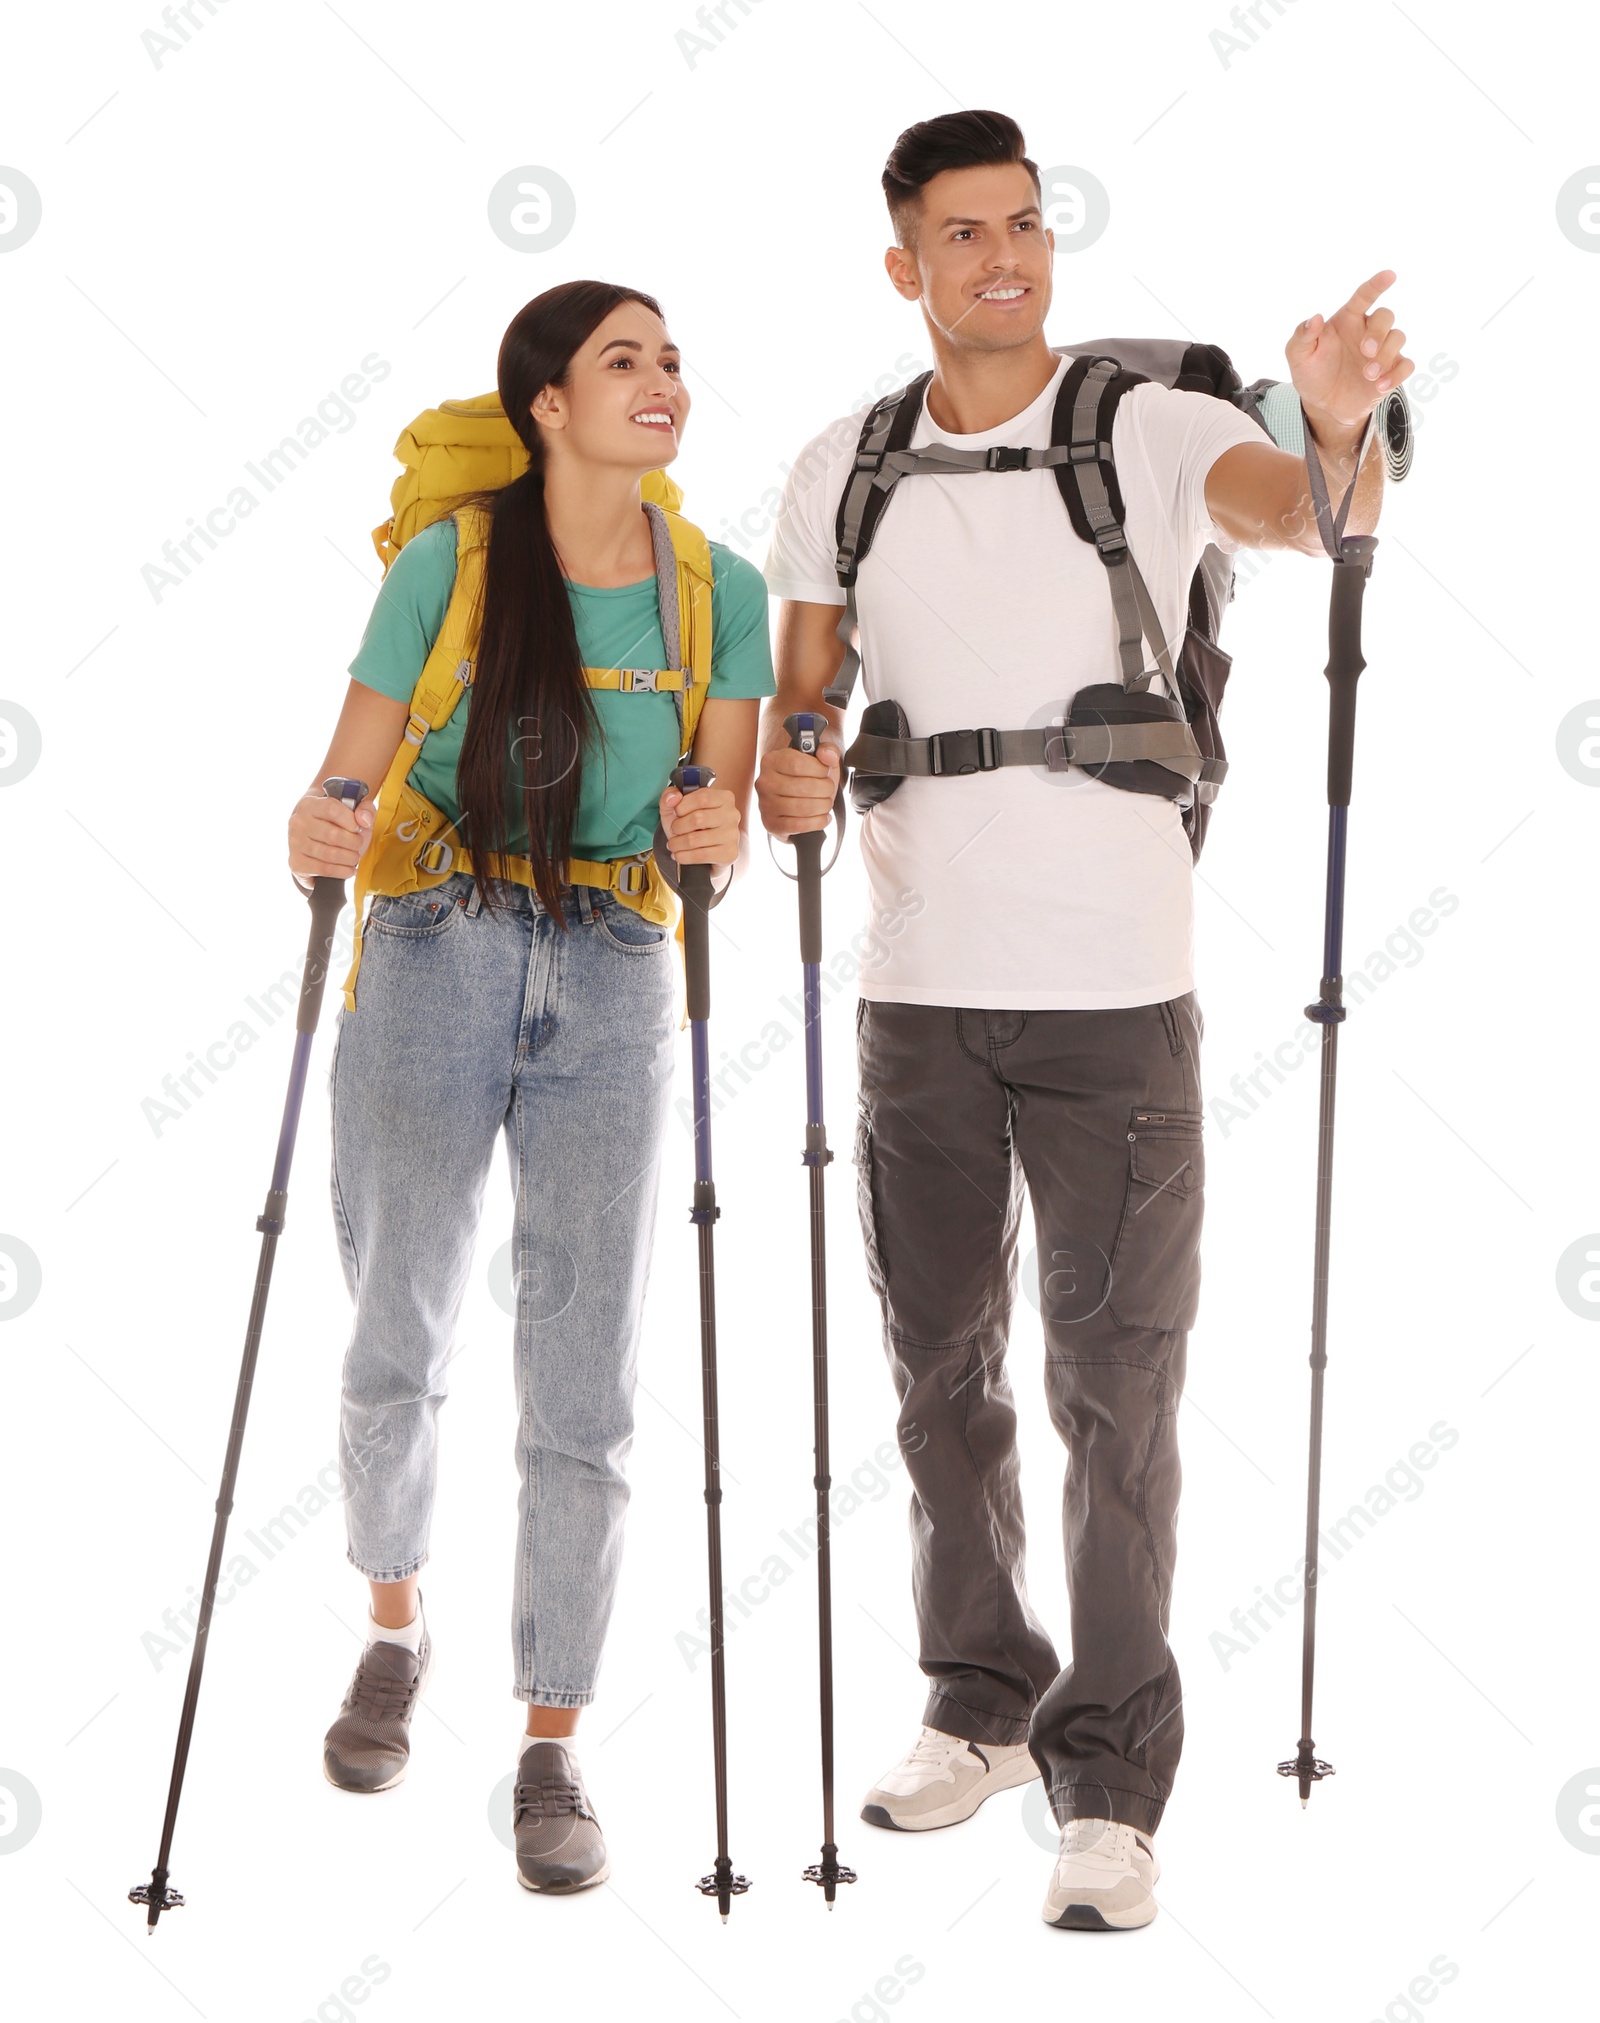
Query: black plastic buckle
[1112,542]
[1005,457]
[963,752]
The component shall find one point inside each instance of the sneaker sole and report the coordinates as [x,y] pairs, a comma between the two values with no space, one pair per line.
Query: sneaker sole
[1023,1771]
[1085,1918]
[565,1889]
[371,1790]
[365,1790]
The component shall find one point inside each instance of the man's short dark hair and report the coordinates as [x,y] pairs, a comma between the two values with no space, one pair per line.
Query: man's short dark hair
[955,140]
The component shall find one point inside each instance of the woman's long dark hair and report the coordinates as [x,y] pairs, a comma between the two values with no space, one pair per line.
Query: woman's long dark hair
[529,671]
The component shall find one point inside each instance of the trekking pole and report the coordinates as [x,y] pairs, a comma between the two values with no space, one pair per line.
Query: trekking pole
[694,886]
[805,730]
[327,903]
[1352,566]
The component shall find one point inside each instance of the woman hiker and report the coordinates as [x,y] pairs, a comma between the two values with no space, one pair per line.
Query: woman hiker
[541,1002]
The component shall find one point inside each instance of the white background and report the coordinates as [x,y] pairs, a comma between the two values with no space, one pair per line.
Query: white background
[225,236]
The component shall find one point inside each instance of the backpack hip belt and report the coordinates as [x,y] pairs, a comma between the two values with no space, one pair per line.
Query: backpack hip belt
[414,845]
[1091,746]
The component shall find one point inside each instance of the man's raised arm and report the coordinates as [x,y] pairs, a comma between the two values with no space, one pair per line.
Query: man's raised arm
[1341,366]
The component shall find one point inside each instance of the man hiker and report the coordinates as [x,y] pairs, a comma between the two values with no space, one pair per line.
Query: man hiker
[1034,1016]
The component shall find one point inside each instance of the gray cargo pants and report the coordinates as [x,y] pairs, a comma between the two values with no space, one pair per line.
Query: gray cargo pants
[1100,1112]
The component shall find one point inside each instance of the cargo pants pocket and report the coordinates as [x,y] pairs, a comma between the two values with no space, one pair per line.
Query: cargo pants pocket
[1155,1265]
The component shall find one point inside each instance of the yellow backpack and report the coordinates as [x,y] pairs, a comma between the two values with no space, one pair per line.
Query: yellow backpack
[464,446]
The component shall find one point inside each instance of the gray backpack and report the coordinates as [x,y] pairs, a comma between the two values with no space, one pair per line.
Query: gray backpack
[1120,732]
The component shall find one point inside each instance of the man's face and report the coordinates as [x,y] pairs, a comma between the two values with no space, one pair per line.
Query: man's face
[980,258]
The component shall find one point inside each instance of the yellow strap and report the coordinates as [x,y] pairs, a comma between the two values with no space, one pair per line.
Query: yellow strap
[635,880]
[637,680]
[693,551]
[444,677]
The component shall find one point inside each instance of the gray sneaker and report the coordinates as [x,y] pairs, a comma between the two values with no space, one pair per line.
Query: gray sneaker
[369,1745]
[559,1843]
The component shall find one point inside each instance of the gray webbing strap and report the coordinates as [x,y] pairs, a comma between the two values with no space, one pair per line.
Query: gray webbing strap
[1135,609]
[939,461]
[666,561]
[1330,524]
[868,470]
[1137,620]
[1056,746]
[666,584]
[838,692]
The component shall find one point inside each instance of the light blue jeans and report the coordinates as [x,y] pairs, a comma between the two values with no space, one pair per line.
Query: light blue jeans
[466,1025]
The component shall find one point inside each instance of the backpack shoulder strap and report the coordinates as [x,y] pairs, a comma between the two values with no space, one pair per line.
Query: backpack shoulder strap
[867,490]
[1085,414]
[387,863]
[868,487]
[1084,419]
[684,593]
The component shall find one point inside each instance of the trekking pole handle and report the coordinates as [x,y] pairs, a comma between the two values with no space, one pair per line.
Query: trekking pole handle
[1345,661]
[805,730]
[694,885]
[327,903]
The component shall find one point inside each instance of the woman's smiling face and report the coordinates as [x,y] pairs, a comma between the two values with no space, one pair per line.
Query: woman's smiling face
[624,402]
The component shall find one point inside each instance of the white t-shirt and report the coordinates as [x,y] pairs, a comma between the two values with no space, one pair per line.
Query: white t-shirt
[979,605]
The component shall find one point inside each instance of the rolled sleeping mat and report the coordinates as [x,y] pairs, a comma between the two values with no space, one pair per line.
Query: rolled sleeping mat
[1277,407]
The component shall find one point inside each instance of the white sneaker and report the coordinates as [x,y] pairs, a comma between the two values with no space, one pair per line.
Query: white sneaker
[944,1779]
[1104,1878]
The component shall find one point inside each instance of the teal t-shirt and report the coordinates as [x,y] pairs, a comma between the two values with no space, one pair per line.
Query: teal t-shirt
[624,773]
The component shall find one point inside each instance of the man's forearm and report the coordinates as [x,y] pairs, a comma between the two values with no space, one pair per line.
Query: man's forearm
[807,656]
